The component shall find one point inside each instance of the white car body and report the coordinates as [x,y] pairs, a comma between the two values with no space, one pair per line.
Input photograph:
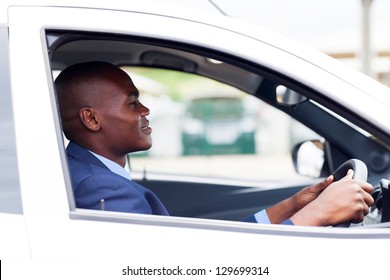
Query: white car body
[51,227]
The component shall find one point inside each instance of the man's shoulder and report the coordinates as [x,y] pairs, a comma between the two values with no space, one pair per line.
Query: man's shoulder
[83,163]
[80,155]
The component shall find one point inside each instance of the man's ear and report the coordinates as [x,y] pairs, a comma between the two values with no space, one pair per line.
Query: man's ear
[90,118]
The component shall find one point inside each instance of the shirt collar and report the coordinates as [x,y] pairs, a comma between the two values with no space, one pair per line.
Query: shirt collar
[113,166]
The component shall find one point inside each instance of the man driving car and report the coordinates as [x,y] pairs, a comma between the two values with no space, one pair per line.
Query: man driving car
[104,120]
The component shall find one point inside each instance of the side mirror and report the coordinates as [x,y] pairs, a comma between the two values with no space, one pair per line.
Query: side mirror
[309,158]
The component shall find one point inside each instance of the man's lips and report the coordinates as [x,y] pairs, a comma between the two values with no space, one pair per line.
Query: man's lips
[146,128]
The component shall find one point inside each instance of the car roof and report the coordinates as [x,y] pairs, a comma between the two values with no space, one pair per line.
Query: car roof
[184,8]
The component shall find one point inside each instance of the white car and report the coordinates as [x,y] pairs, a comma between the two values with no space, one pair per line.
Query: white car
[283,84]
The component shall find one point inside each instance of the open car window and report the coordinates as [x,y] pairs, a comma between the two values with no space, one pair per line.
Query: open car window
[227,132]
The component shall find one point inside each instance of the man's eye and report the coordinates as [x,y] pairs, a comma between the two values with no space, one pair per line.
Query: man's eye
[132,104]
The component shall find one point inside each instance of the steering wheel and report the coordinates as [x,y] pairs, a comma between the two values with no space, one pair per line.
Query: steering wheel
[360,173]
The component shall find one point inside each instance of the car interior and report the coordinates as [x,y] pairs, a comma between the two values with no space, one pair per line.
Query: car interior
[230,199]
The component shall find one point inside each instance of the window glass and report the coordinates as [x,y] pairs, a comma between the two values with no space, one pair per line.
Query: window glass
[205,128]
[10,198]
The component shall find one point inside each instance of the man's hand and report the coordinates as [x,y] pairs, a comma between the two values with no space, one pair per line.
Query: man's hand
[308,194]
[342,201]
[288,207]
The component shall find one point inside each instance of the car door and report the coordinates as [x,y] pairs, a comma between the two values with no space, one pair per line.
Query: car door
[57,228]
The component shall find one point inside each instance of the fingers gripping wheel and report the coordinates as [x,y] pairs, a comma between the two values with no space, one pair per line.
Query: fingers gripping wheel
[360,173]
[359,168]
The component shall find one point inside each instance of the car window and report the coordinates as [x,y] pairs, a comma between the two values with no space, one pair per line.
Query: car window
[225,129]
[216,130]
[206,128]
[10,198]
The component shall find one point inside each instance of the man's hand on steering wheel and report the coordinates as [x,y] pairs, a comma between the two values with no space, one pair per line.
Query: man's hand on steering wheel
[344,201]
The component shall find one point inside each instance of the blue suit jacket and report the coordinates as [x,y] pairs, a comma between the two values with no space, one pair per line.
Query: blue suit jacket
[93,181]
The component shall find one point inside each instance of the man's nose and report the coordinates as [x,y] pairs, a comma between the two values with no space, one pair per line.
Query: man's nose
[144,110]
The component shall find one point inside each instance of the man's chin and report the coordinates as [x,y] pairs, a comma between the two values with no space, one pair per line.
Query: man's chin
[149,145]
[143,148]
